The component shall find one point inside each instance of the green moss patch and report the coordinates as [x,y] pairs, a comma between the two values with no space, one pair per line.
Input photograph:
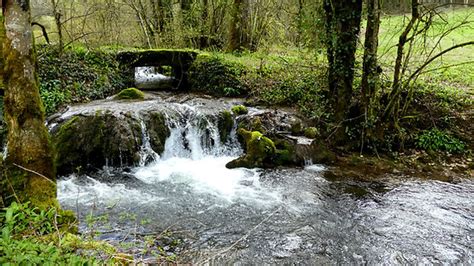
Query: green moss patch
[130,94]
[239,110]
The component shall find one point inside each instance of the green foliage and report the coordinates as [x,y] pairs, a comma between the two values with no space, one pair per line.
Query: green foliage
[30,236]
[130,94]
[292,85]
[76,75]
[437,140]
[52,96]
[216,76]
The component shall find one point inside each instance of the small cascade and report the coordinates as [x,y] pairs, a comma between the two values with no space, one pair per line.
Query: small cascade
[147,154]
[195,135]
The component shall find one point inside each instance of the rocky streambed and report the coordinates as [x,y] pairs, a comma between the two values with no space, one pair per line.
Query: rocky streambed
[150,177]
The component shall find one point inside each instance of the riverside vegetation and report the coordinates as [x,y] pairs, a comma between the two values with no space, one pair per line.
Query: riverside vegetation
[436,132]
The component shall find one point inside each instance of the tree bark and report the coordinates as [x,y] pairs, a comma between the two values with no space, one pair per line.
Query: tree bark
[28,145]
[204,38]
[370,74]
[59,25]
[2,37]
[236,32]
[342,29]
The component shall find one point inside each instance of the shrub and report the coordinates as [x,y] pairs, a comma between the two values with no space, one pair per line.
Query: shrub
[215,76]
[437,140]
[26,235]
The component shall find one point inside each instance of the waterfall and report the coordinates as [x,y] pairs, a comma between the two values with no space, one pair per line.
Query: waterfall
[147,154]
[195,135]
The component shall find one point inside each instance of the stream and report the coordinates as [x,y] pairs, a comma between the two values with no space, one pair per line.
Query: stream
[277,216]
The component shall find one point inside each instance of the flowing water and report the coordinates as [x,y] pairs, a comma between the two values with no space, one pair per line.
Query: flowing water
[288,215]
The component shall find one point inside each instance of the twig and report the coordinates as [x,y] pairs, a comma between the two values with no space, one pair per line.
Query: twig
[34,172]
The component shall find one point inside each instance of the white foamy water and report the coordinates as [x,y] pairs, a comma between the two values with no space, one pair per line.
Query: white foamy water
[91,192]
[208,175]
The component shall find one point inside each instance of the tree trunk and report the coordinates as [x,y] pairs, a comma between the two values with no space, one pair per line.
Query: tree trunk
[2,37]
[342,28]
[236,27]
[370,74]
[204,32]
[59,26]
[391,110]
[29,159]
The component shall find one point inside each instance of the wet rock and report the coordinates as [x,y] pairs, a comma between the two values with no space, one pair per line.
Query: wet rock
[260,151]
[311,132]
[88,142]
[158,131]
[225,123]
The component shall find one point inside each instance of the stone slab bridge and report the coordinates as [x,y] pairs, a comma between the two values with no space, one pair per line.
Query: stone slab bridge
[179,60]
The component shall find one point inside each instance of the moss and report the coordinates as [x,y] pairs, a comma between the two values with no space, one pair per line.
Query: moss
[239,110]
[130,94]
[283,157]
[260,151]
[68,221]
[225,124]
[158,131]
[90,142]
[311,132]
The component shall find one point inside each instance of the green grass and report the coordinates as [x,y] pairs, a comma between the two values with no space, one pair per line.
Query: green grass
[461,74]
[454,69]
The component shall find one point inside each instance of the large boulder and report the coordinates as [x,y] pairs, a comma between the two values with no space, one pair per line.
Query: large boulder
[88,142]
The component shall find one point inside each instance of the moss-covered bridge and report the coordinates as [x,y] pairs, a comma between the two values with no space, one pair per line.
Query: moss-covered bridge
[179,60]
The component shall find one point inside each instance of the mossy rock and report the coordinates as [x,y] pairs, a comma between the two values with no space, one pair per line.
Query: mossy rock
[225,123]
[130,94]
[296,128]
[239,110]
[311,132]
[158,131]
[90,142]
[260,151]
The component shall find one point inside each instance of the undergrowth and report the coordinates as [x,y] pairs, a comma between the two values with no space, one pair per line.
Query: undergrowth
[34,236]
[76,75]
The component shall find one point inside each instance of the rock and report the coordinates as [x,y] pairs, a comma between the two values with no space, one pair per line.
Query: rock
[305,149]
[85,143]
[296,127]
[130,94]
[311,132]
[158,131]
[239,110]
[225,123]
[260,151]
